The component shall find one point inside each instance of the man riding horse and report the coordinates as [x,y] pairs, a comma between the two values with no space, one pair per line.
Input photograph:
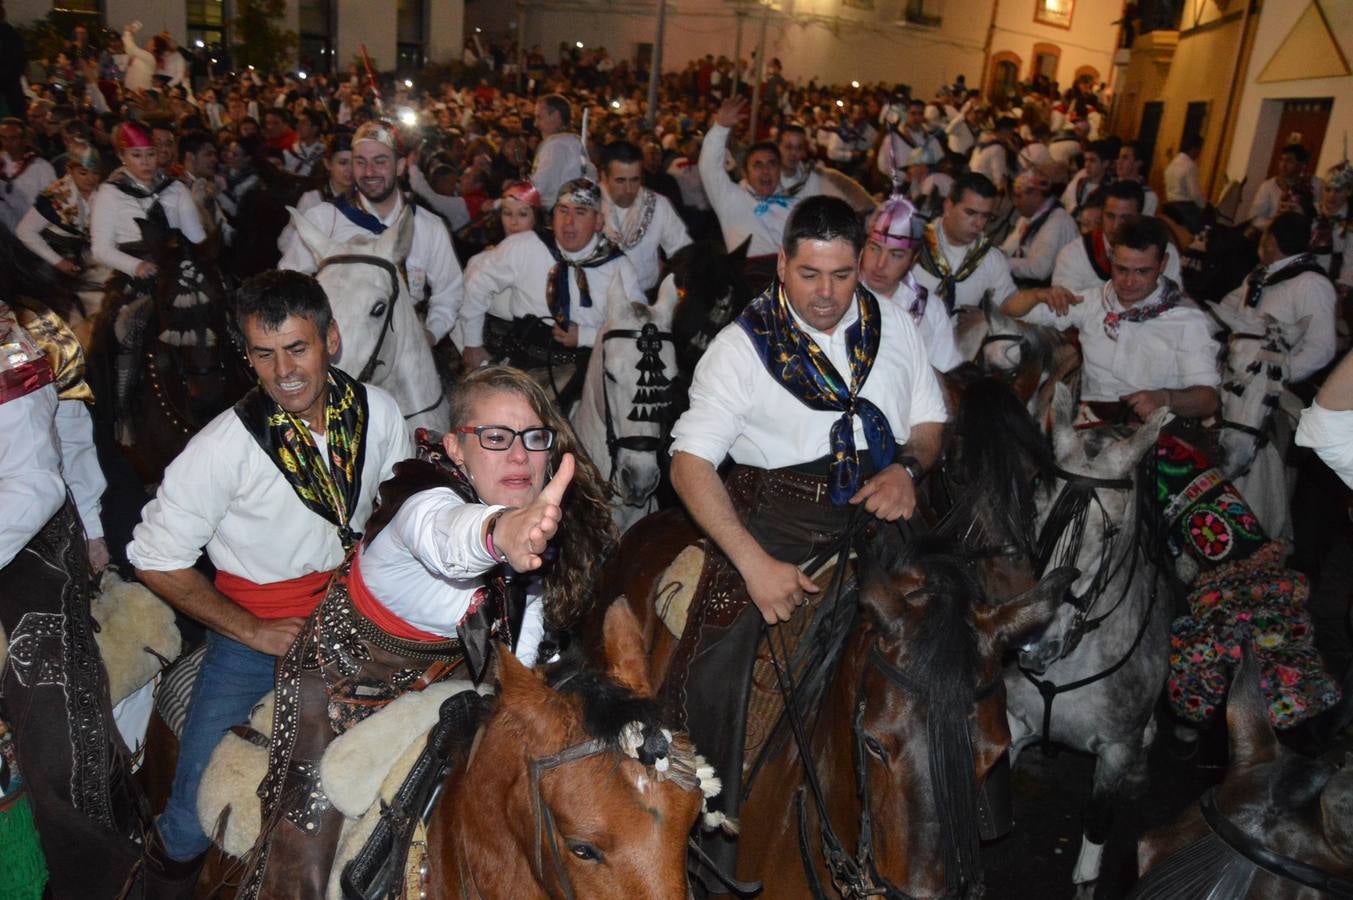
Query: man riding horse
[824,399]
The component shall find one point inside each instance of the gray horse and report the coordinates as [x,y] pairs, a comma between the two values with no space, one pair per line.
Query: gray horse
[1108,651]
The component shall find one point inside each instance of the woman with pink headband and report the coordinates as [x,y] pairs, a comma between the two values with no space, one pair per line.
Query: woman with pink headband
[517,210]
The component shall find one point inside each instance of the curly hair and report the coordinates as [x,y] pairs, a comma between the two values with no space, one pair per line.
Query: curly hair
[586,533]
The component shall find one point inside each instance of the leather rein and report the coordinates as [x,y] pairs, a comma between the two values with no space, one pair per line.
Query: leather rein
[383,309]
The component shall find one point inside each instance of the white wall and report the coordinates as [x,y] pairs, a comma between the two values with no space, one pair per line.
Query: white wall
[366,22]
[1256,115]
[19,12]
[446,30]
[1090,41]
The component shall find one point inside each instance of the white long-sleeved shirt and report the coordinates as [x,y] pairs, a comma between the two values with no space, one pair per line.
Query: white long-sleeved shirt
[1264,207]
[738,410]
[80,463]
[961,136]
[31,489]
[426,565]
[1078,191]
[665,230]
[558,161]
[22,187]
[521,266]
[1329,433]
[222,493]
[140,70]
[453,209]
[33,224]
[1173,351]
[896,148]
[1035,260]
[993,162]
[936,328]
[431,261]
[1182,184]
[302,159]
[1305,296]
[1074,272]
[741,213]
[113,222]
[992,275]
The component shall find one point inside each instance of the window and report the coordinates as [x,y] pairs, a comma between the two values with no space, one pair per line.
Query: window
[315,49]
[1054,12]
[410,28]
[1004,76]
[922,12]
[206,26]
[84,12]
[1195,119]
[1044,62]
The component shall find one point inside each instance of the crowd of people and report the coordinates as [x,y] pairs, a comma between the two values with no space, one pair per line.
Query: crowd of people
[868,217]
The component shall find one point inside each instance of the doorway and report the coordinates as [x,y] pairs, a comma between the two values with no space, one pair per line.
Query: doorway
[1307,120]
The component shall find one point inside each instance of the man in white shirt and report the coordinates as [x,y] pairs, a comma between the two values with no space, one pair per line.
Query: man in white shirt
[559,158]
[432,267]
[1130,166]
[1290,285]
[75,770]
[995,156]
[1085,264]
[304,156]
[800,470]
[1182,184]
[23,174]
[904,137]
[1042,230]
[1327,425]
[338,164]
[958,265]
[963,131]
[752,208]
[563,276]
[798,175]
[275,490]
[894,236]
[1291,190]
[635,219]
[199,161]
[1089,179]
[1143,342]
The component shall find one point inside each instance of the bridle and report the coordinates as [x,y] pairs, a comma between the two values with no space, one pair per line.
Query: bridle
[1261,433]
[543,818]
[649,341]
[382,309]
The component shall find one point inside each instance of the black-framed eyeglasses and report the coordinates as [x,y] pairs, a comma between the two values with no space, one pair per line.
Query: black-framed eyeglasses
[500,437]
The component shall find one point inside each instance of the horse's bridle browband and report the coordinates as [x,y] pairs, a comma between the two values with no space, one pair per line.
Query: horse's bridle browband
[543,818]
[1274,863]
[385,308]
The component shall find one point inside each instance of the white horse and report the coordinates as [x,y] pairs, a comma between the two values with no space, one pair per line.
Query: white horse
[383,340]
[1109,650]
[1254,436]
[625,400]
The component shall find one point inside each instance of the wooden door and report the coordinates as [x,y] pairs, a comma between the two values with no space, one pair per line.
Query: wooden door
[1309,118]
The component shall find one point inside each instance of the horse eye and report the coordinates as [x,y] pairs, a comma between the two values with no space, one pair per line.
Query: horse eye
[872,744]
[378,310]
[584,851]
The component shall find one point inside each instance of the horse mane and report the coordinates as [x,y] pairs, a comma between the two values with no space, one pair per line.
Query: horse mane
[999,445]
[28,275]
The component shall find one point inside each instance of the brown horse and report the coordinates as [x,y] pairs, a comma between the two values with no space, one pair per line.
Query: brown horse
[1280,826]
[573,789]
[911,719]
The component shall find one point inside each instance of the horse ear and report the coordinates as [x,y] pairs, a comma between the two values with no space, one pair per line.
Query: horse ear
[665,305]
[1064,440]
[523,695]
[1011,623]
[394,244]
[315,240]
[739,254]
[1123,457]
[1251,736]
[626,659]
[1234,319]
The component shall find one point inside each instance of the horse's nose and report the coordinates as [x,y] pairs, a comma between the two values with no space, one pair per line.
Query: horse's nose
[637,482]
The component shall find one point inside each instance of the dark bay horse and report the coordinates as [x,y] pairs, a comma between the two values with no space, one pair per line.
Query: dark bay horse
[1280,826]
[712,291]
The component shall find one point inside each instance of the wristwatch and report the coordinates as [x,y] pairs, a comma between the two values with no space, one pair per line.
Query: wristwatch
[913,467]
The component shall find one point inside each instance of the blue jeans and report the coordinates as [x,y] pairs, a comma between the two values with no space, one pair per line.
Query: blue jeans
[232,681]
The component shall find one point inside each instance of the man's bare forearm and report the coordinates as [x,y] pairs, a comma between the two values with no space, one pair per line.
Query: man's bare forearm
[1196,402]
[189,591]
[697,484]
[1336,394]
[925,442]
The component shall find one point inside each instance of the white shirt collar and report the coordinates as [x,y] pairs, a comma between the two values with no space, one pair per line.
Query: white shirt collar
[585,252]
[822,338]
[1113,303]
[389,220]
[1284,263]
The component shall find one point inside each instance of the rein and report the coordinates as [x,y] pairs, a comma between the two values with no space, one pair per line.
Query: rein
[542,816]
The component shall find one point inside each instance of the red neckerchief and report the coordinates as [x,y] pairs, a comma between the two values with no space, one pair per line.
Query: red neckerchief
[1100,246]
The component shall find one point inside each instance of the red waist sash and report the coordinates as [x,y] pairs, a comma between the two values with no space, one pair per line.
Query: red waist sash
[366,603]
[25,379]
[279,599]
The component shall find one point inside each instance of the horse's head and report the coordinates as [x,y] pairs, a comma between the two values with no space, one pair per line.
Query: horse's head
[1258,363]
[1274,799]
[574,788]
[1004,346]
[712,289]
[1087,515]
[637,359]
[929,713]
[364,282]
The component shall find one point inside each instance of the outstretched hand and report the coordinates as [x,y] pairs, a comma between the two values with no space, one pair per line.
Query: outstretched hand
[730,112]
[522,534]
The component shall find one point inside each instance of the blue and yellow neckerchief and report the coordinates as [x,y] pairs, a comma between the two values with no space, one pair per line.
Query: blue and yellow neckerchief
[801,367]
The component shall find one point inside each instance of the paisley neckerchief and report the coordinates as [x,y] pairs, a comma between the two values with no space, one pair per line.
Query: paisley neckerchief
[328,491]
[1261,277]
[634,221]
[1097,252]
[803,369]
[556,289]
[60,204]
[1169,298]
[934,262]
[920,295]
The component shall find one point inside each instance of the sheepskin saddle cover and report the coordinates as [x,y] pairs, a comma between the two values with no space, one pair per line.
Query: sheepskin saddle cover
[362,766]
[136,635]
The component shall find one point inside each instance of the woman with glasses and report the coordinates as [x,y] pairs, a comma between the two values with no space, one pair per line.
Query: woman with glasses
[494,532]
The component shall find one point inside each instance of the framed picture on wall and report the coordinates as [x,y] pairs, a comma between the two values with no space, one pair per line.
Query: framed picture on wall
[1054,12]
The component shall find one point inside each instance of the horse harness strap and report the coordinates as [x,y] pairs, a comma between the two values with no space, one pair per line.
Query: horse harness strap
[386,309]
[637,443]
[1284,867]
[544,819]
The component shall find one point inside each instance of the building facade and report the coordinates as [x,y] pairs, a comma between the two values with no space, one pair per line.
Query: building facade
[400,35]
